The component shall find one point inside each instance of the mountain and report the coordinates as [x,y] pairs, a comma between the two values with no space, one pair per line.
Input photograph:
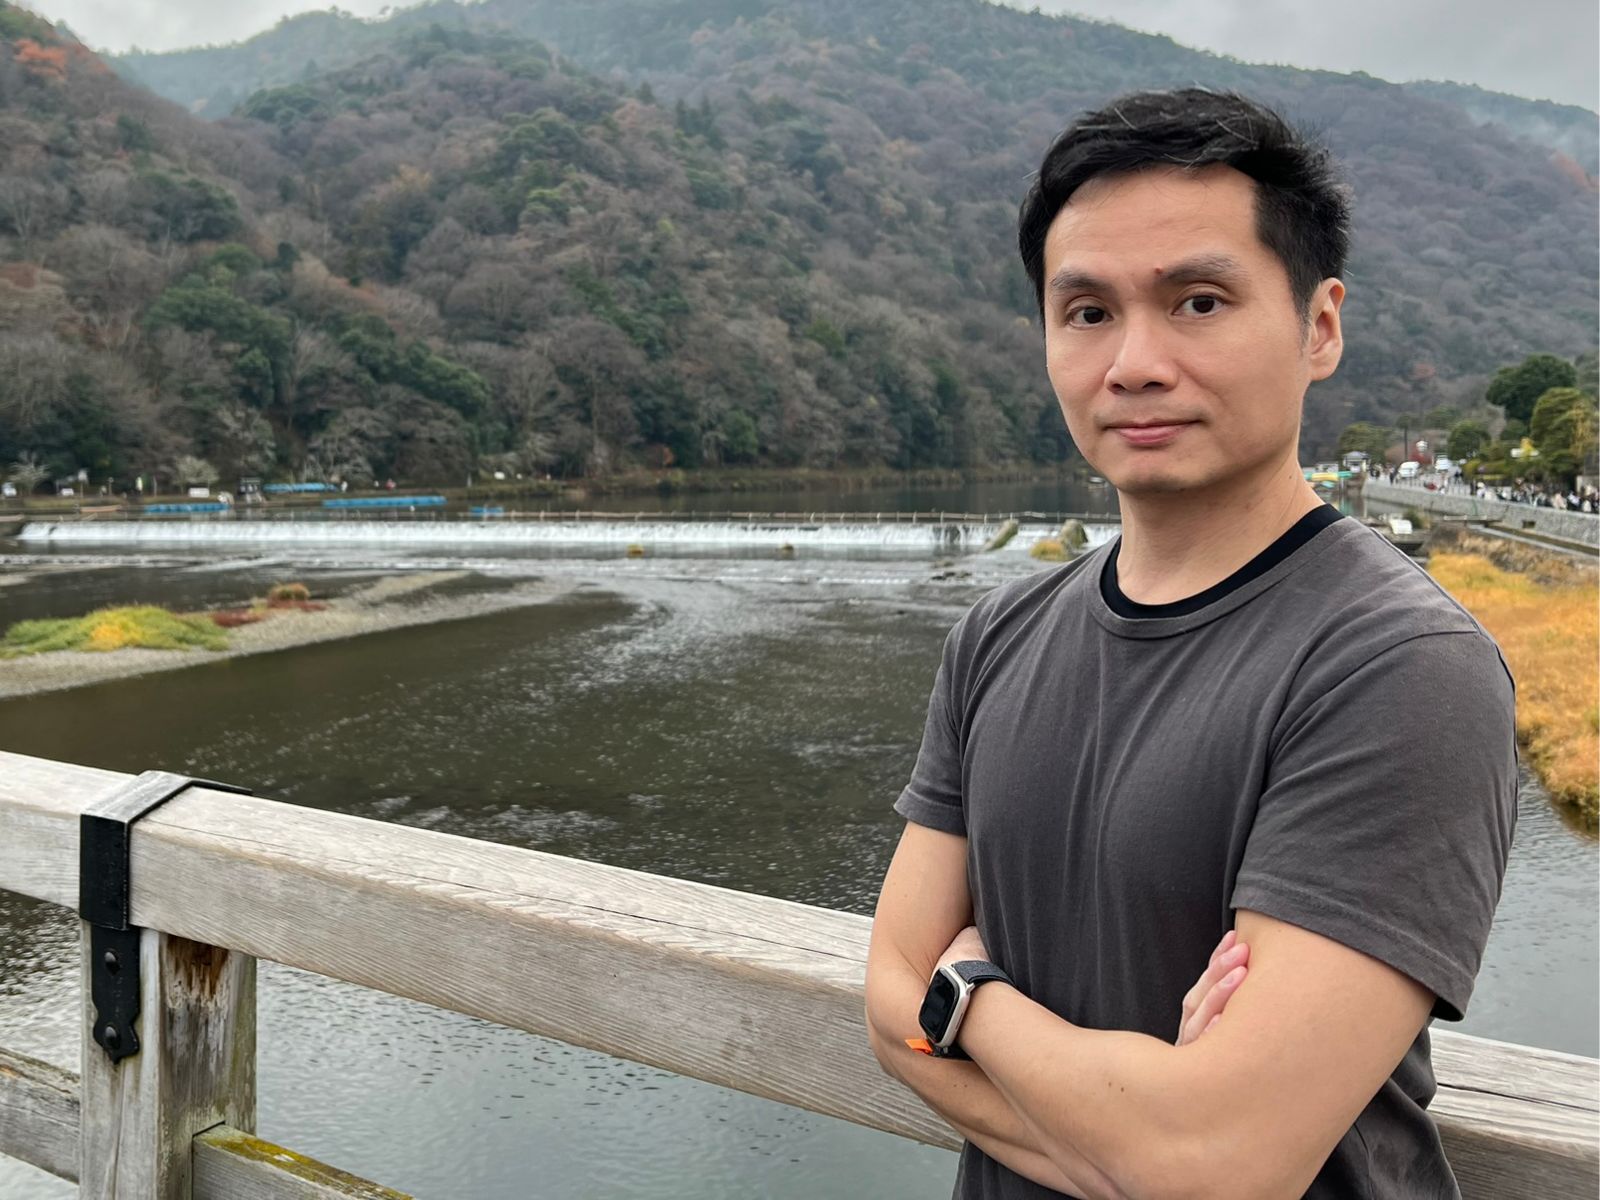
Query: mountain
[1564,128]
[571,236]
[212,80]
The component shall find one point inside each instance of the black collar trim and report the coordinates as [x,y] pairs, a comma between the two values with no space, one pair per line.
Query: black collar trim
[1297,535]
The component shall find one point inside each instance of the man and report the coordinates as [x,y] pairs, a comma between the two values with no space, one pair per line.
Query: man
[1201,728]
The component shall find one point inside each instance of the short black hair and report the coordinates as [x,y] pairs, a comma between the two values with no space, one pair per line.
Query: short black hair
[1302,207]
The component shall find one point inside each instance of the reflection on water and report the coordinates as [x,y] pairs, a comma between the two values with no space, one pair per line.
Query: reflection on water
[741,722]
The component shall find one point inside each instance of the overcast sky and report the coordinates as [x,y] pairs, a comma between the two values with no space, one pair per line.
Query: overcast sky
[1545,49]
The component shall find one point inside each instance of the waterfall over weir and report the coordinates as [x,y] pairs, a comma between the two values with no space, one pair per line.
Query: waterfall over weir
[898,536]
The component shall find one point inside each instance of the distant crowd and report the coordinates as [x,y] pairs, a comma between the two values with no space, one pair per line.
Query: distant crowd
[1521,491]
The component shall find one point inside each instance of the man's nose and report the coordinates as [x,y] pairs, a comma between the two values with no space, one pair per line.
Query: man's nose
[1143,362]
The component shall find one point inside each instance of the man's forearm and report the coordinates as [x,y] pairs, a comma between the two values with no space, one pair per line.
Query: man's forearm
[1102,1104]
[961,1094]
[958,1091]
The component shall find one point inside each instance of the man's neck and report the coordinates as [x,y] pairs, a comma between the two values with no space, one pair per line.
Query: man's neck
[1176,545]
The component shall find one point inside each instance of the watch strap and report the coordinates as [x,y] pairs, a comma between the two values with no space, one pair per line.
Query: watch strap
[976,971]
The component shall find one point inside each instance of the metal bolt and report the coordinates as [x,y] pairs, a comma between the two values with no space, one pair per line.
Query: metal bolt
[112,962]
[111,1037]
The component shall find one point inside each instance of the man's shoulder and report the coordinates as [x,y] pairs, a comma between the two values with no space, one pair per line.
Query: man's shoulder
[1369,598]
[1374,580]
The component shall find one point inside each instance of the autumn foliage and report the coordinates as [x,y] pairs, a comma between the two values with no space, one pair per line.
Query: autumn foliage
[45,60]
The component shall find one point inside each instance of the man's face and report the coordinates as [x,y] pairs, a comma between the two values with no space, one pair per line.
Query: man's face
[1173,342]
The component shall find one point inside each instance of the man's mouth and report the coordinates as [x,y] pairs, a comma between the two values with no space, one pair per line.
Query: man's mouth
[1150,433]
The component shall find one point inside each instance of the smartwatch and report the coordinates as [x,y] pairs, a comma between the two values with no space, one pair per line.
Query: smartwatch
[944,1006]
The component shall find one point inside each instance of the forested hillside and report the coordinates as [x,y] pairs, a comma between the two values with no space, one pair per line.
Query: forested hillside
[213,80]
[738,233]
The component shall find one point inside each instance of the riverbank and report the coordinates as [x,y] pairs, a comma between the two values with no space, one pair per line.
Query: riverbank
[1541,608]
[668,482]
[394,602]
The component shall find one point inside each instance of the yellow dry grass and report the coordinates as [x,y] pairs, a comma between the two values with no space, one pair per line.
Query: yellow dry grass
[1548,628]
[113,629]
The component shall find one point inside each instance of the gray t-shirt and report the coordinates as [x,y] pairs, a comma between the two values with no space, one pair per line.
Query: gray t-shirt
[1330,743]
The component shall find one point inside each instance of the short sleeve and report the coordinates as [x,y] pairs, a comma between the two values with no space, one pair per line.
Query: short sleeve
[1389,809]
[933,795]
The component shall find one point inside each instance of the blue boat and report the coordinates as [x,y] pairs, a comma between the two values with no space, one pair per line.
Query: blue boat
[386,502]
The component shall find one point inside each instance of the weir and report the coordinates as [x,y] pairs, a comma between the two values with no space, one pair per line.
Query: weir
[687,977]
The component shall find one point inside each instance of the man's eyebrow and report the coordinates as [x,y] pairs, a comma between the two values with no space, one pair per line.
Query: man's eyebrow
[1220,267]
[1069,279]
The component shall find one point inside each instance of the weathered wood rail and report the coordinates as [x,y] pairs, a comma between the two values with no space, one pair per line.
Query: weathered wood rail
[694,979]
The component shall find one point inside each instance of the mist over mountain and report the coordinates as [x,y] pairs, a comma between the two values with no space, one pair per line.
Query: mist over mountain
[577,236]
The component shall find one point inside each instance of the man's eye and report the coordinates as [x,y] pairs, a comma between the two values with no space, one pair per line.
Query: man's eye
[1086,316]
[1204,306]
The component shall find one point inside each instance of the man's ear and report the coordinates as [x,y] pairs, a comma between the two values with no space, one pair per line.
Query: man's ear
[1324,334]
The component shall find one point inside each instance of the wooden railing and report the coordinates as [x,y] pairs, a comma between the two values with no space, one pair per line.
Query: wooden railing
[694,979]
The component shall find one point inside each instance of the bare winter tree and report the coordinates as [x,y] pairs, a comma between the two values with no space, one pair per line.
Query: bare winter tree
[35,368]
[242,438]
[31,209]
[104,195]
[495,292]
[529,386]
[27,473]
[310,352]
[190,470]
[114,277]
[602,368]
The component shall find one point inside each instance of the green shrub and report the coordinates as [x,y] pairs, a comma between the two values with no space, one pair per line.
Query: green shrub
[114,629]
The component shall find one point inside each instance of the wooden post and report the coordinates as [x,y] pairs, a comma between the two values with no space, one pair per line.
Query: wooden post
[196,1068]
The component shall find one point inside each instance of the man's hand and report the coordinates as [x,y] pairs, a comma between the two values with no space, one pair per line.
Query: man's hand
[1202,1006]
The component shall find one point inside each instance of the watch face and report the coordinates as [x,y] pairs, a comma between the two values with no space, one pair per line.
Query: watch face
[937,1006]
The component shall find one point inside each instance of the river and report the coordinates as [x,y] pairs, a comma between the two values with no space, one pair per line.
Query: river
[740,720]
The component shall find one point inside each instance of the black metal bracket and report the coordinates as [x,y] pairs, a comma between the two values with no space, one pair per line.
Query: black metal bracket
[105,832]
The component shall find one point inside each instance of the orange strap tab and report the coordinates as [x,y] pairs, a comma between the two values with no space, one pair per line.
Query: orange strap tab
[921,1045]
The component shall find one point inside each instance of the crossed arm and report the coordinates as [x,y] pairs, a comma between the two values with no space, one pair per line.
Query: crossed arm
[1122,1115]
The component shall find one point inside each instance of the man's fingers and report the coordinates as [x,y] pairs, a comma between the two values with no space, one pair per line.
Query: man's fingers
[1226,944]
[1206,999]
[1211,1004]
[1229,954]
